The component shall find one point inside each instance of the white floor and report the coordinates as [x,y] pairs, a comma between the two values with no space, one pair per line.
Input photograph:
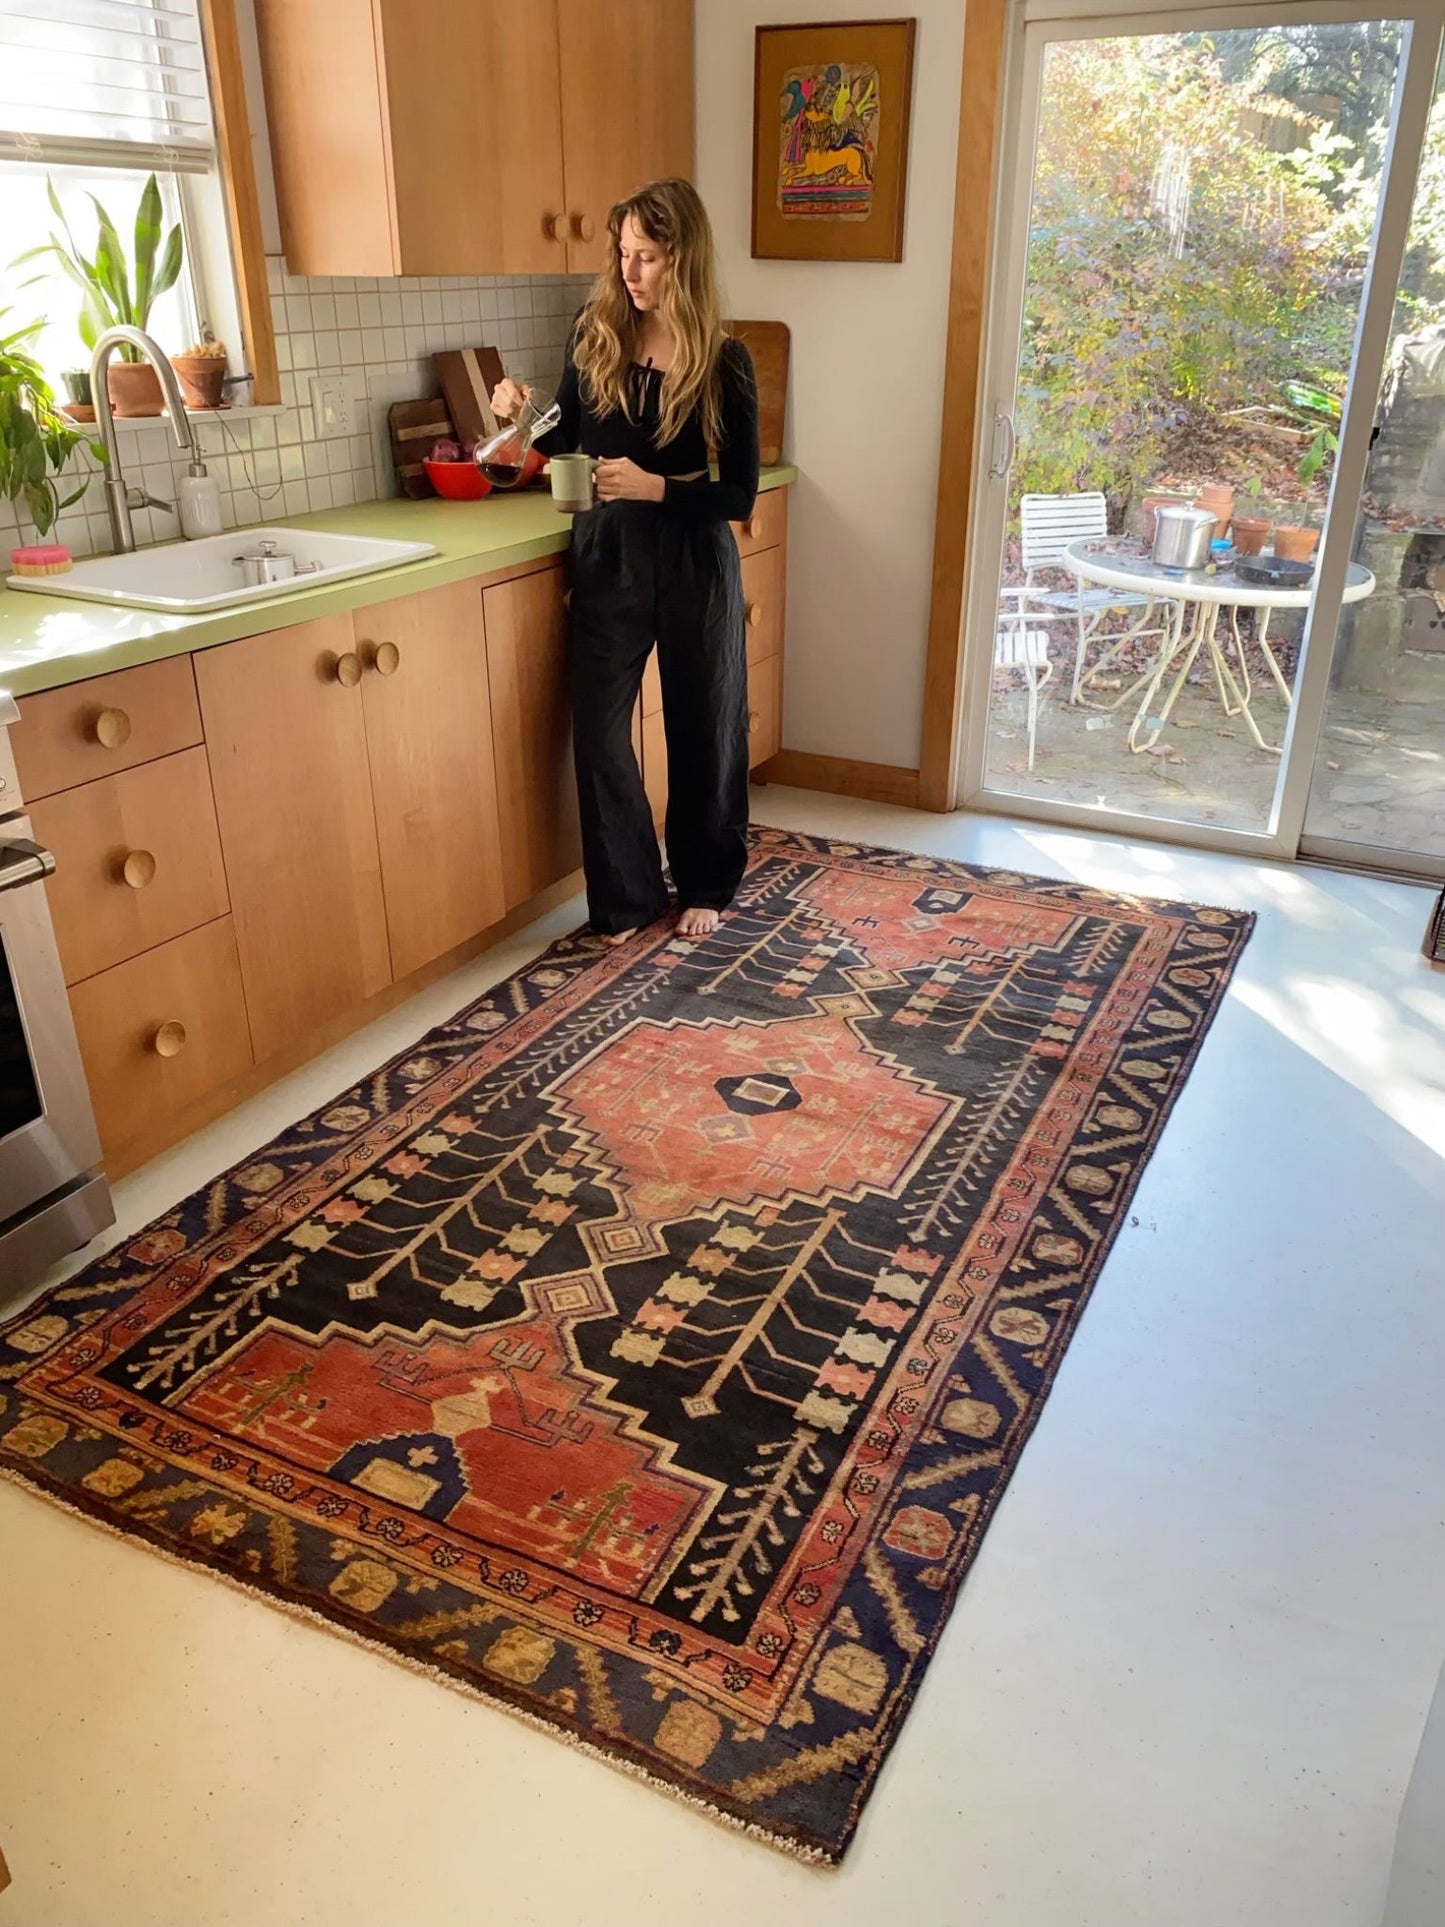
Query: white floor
[1187,1677]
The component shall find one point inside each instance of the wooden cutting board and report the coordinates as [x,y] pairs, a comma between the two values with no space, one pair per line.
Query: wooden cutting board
[415,426]
[468,377]
[767,342]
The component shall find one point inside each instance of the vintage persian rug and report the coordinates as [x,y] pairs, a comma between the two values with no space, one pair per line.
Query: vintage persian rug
[648,1349]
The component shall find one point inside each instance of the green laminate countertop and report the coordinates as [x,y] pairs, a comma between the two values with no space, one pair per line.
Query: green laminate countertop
[47,640]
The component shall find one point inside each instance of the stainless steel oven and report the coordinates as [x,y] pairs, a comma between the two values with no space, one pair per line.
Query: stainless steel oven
[53,1196]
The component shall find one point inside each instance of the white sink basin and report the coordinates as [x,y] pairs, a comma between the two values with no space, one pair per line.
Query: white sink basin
[189,578]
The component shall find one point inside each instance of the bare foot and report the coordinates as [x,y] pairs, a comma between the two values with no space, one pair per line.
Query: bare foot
[697,922]
[616,937]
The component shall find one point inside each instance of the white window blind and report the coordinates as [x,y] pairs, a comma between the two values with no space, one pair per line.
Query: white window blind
[113,83]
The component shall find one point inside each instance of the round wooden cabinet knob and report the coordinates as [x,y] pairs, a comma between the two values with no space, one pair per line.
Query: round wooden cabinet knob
[139,869]
[552,228]
[347,670]
[753,528]
[383,657]
[583,227]
[754,614]
[754,718]
[111,728]
[169,1040]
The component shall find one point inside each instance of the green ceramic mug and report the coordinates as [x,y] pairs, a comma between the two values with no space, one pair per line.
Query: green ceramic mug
[574,485]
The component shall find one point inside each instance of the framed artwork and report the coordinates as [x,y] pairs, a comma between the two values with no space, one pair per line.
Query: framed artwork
[830,140]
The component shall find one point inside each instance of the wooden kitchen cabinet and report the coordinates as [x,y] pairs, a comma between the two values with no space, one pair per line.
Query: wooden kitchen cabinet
[627,83]
[427,705]
[286,732]
[469,136]
[541,840]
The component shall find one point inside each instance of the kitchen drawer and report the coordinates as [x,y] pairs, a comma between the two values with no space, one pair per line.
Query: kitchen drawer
[160,1031]
[767,526]
[764,593]
[89,729]
[765,709]
[137,861]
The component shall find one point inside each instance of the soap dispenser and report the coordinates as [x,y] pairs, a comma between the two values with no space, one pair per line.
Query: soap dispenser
[199,503]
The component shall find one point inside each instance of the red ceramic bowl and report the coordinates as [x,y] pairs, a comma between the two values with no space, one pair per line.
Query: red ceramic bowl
[457,481]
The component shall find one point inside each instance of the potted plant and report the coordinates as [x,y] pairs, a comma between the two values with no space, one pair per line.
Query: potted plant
[118,291]
[79,403]
[1252,524]
[201,371]
[36,440]
[1296,535]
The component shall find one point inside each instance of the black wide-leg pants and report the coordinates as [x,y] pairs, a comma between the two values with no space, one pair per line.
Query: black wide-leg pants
[640,575]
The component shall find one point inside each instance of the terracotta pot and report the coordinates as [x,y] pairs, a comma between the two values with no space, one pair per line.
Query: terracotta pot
[1156,498]
[1296,545]
[134,388]
[1219,501]
[202,379]
[1251,532]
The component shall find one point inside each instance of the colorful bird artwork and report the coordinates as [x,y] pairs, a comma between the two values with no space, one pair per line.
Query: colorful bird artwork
[828,127]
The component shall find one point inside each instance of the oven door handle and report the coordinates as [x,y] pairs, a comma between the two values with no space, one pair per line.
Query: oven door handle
[22,861]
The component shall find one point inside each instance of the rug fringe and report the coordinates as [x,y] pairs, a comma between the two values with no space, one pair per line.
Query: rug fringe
[478,1694]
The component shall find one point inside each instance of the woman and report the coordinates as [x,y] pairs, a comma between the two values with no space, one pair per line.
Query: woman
[652,387]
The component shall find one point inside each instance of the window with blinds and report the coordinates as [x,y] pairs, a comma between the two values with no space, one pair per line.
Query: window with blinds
[105,83]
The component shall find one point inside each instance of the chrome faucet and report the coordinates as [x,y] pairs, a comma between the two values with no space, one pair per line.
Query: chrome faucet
[121,497]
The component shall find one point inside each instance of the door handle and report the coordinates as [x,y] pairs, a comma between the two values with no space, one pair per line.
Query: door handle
[1003,424]
[23,862]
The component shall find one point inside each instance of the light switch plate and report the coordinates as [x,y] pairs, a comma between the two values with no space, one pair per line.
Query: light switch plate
[333,407]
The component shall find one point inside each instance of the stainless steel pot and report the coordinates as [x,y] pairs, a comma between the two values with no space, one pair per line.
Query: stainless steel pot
[266,563]
[1182,536]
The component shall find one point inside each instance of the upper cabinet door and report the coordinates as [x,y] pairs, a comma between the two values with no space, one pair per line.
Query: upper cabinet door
[627,108]
[475,133]
[326,112]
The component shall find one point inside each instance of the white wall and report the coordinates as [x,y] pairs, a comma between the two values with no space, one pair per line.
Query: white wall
[866,389]
[1417,1878]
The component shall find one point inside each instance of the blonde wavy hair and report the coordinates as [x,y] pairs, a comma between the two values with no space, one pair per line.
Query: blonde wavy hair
[672,216]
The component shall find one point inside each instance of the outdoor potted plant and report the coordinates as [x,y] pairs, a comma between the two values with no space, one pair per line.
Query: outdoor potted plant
[1252,524]
[36,442]
[1296,539]
[119,291]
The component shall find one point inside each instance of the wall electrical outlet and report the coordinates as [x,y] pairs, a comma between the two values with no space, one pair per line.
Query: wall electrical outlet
[333,407]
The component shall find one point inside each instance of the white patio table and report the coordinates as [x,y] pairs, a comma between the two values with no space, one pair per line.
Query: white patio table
[1197,597]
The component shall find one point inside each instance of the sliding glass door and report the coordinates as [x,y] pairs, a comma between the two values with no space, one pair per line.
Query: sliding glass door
[1377,790]
[1202,223]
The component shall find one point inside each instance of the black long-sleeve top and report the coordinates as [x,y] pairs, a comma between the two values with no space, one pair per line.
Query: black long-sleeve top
[728,499]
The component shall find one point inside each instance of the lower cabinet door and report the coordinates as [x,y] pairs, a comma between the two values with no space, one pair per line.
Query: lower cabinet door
[433,778]
[286,737]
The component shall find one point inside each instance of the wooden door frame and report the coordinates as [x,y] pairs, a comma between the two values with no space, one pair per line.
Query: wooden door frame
[243,208]
[974,199]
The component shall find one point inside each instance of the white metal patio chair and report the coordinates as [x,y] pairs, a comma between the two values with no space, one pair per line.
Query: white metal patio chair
[1027,650]
[1050,523]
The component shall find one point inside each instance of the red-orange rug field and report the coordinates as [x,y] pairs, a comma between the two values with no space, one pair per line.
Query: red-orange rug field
[648,1348]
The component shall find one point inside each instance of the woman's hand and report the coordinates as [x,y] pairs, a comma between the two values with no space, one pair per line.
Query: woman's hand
[507,399]
[624,481]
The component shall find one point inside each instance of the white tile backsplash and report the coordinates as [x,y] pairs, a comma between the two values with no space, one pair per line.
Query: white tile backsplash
[381,334]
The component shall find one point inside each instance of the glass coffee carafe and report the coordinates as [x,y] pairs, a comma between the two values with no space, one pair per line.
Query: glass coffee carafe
[503,458]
